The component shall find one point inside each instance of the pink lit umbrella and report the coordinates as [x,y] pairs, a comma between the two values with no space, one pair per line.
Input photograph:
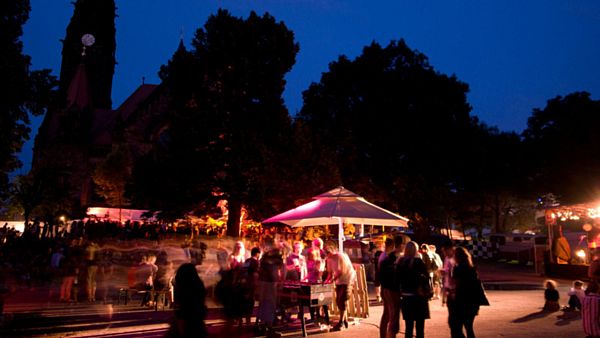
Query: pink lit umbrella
[339,206]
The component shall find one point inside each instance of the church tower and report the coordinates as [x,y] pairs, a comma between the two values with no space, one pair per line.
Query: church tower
[95,17]
[67,146]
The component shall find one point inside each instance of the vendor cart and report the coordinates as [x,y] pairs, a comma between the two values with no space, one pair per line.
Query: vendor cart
[303,294]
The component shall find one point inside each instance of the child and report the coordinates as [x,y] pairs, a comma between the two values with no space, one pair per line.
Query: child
[551,296]
[576,295]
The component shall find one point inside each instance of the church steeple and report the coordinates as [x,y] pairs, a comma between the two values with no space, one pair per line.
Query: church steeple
[96,17]
[78,94]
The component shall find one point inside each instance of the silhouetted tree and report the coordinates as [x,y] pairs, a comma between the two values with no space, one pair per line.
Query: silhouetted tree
[394,126]
[563,148]
[227,127]
[24,92]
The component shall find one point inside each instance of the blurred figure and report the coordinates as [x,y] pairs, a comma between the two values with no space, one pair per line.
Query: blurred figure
[238,256]
[70,270]
[437,264]
[295,264]
[107,273]
[270,273]
[594,268]
[447,282]
[92,269]
[314,267]
[314,273]
[463,299]
[341,272]
[163,281]
[144,276]
[249,279]
[190,310]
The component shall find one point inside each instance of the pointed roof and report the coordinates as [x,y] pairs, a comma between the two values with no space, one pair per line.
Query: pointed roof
[135,100]
[338,192]
[78,94]
[181,47]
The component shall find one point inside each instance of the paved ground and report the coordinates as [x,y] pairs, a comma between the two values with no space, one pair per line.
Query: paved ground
[513,313]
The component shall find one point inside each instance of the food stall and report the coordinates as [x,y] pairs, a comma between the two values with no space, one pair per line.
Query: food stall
[573,235]
[339,206]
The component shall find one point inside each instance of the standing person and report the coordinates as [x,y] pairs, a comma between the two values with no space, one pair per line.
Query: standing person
[314,274]
[437,264]
[270,273]
[590,310]
[380,250]
[238,256]
[413,275]
[463,300]
[107,273]
[189,297]
[389,325]
[429,262]
[250,275]
[594,268]
[447,282]
[69,271]
[314,267]
[92,268]
[295,264]
[341,272]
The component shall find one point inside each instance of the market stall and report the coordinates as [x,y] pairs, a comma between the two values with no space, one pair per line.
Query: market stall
[341,206]
[573,236]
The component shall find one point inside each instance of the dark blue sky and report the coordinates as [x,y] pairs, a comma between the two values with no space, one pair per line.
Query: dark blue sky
[514,54]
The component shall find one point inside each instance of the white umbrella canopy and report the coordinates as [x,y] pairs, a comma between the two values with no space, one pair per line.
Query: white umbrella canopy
[339,206]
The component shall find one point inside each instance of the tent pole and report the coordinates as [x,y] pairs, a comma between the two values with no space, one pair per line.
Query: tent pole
[340,234]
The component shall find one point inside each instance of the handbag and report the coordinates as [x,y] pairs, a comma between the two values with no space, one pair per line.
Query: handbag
[424,287]
[481,296]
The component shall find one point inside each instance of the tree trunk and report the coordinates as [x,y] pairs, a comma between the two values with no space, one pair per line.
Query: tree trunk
[233,221]
[497,214]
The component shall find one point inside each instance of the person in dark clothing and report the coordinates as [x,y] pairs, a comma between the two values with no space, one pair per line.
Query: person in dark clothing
[190,310]
[413,275]
[551,296]
[270,274]
[463,300]
[248,282]
[389,325]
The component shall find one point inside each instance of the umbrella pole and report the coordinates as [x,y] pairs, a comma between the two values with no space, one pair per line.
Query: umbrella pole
[340,234]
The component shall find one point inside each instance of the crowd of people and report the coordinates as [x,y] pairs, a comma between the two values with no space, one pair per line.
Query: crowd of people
[409,277]
[259,277]
[79,264]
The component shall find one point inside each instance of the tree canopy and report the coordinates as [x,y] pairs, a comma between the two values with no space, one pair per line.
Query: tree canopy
[227,125]
[394,125]
[562,142]
[28,92]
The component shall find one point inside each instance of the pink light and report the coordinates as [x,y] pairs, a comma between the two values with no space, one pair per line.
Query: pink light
[310,206]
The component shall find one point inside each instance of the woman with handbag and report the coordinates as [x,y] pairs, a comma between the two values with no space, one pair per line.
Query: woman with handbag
[466,297]
[416,290]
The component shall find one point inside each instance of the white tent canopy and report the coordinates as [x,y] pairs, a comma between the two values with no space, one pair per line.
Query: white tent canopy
[339,206]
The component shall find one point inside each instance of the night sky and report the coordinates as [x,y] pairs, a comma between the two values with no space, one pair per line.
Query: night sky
[515,55]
